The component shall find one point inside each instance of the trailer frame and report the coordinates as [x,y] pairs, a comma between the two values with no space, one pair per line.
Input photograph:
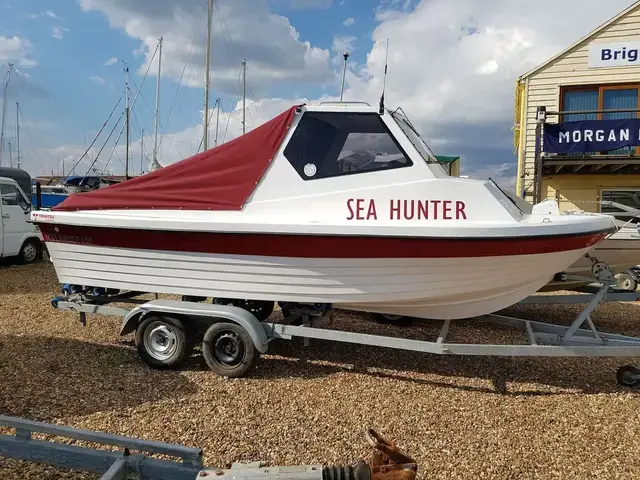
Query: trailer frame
[580,339]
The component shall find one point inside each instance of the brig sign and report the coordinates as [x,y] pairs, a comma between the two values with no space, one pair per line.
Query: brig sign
[618,54]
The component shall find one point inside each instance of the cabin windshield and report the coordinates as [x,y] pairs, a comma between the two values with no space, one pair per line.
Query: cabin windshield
[332,144]
[414,137]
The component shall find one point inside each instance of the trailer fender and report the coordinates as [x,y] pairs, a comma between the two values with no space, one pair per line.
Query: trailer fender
[131,321]
[216,312]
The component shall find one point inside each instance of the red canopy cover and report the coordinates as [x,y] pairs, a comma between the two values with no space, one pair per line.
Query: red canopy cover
[221,178]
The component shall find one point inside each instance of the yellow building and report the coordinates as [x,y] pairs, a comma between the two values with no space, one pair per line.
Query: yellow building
[599,78]
[451,164]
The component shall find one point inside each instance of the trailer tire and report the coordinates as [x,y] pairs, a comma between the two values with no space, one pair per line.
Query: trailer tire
[626,282]
[163,342]
[625,376]
[228,349]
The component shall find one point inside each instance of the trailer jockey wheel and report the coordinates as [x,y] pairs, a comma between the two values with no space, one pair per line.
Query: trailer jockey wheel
[628,376]
[626,282]
[228,349]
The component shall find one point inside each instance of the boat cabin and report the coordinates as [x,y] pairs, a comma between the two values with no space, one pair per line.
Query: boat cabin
[331,163]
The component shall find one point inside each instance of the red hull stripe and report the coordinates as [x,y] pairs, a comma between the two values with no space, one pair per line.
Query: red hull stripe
[314,246]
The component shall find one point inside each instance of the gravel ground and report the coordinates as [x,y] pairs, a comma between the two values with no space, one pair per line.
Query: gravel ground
[459,417]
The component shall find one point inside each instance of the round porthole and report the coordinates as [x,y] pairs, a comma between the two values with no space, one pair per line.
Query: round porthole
[310,169]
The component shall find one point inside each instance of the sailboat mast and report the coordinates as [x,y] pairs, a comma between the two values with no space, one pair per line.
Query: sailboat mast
[155,163]
[4,109]
[10,156]
[244,96]
[206,76]
[217,119]
[126,112]
[18,162]
[142,153]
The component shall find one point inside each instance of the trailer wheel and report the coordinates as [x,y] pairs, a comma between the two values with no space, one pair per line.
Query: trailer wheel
[628,376]
[228,350]
[163,342]
[626,282]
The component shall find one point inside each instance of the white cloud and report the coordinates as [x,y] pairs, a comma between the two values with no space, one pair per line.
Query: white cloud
[349,21]
[98,79]
[343,44]
[271,45]
[452,65]
[17,50]
[111,61]
[58,32]
[46,13]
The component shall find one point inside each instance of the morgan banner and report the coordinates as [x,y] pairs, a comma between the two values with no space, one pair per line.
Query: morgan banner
[591,136]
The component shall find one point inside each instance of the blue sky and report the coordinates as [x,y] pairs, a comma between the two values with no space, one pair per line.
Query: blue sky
[452,67]
[76,90]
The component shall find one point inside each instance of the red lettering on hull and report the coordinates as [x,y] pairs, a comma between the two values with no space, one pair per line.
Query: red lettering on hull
[365,209]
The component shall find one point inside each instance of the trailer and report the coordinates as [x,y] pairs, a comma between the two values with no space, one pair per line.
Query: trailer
[233,338]
[133,457]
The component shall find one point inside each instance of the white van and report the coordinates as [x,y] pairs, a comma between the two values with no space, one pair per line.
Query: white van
[18,237]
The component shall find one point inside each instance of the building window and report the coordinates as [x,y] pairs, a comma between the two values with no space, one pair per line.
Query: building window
[334,144]
[612,97]
[614,202]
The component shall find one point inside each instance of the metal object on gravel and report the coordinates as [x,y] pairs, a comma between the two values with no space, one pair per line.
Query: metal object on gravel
[386,463]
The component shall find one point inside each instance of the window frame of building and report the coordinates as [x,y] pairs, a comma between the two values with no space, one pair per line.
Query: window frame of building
[600,88]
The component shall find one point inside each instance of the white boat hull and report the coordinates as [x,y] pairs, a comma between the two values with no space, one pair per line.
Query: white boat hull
[435,288]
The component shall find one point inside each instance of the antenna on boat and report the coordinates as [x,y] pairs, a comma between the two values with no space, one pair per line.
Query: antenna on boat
[344,73]
[384,81]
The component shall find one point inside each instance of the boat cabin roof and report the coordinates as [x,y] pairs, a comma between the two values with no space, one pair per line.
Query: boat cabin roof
[321,141]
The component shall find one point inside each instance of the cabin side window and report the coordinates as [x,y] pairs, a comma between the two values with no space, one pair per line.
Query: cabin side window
[334,144]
